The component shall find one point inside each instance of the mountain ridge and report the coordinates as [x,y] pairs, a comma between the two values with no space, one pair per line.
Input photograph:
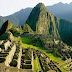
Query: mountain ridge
[42,21]
[24,13]
[52,27]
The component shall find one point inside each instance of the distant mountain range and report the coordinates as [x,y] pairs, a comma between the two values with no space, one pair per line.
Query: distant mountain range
[63,11]
[17,18]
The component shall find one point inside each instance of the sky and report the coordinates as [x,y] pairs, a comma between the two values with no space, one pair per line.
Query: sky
[8,7]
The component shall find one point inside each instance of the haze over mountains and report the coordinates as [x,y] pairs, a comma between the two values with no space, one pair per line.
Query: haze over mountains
[60,10]
[17,18]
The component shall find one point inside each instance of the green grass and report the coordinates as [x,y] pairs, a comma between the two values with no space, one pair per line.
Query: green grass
[53,56]
[62,69]
[37,65]
[23,39]
[56,59]
[31,46]
[60,61]
[28,42]
[65,64]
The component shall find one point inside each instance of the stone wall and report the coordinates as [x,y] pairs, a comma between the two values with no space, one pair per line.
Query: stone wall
[7,44]
[32,61]
[19,58]
[10,56]
[1,42]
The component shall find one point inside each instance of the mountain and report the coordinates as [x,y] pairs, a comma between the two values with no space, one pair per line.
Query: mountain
[22,15]
[8,26]
[17,18]
[65,30]
[42,21]
[2,20]
[11,18]
[61,10]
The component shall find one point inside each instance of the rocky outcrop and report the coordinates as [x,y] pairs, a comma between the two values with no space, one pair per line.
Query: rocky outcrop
[6,26]
[42,21]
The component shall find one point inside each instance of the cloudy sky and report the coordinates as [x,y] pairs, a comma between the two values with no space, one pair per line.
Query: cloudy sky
[8,7]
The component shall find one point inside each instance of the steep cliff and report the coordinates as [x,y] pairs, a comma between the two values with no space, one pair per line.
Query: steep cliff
[8,26]
[42,21]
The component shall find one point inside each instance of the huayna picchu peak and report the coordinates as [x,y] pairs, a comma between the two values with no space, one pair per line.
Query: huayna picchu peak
[40,6]
[41,44]
[42,21]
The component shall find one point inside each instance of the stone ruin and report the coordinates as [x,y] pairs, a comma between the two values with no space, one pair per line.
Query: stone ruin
[46,63]
[15,58]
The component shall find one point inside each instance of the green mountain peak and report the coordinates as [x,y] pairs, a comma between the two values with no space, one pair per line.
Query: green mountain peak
[40,5]
[6,26]
[42,21]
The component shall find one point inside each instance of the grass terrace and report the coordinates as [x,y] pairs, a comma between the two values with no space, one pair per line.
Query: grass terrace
[27,42]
